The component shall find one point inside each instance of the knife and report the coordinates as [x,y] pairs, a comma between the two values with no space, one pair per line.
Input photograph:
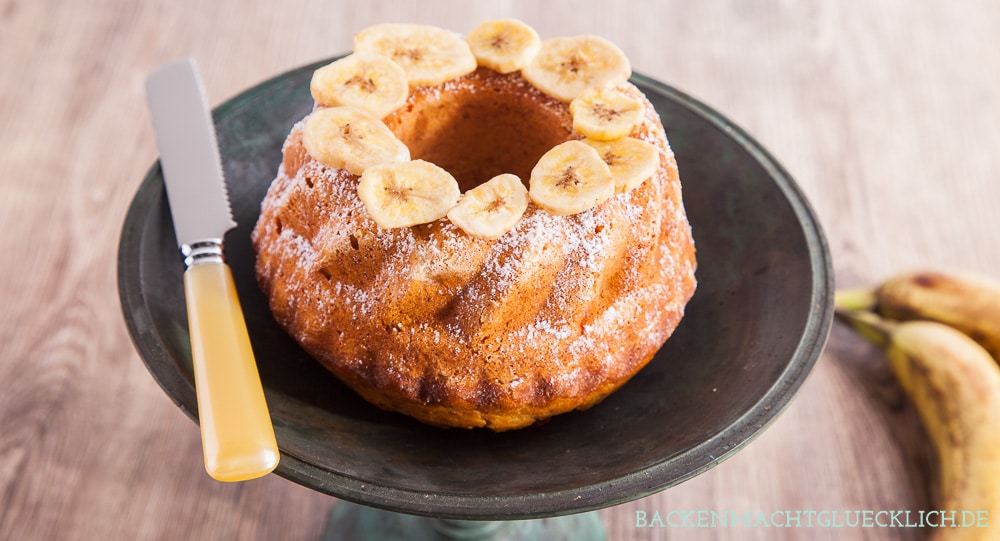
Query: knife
[236,432]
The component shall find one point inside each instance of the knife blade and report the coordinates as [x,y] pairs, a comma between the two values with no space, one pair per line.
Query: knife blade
[237,435]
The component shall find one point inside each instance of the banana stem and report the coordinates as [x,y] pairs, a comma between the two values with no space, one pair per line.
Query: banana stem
[869,325]
[855,299]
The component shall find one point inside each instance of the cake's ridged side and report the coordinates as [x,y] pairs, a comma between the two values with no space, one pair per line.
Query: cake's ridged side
[459,331]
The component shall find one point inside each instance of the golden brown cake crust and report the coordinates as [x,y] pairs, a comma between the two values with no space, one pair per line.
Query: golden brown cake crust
[466,332]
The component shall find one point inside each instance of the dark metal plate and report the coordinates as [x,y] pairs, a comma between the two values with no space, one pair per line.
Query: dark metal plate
[753,331]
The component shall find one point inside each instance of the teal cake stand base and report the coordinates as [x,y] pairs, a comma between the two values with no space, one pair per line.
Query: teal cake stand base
[349,521]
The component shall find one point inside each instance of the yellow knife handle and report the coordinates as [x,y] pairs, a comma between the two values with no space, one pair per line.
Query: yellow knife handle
[236,431]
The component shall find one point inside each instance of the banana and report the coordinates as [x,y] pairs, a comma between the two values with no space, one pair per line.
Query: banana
[428,55]
[570,178]
[605,114]
[349,138]
[565,67]
[367,81]
[971,304]
[955,386]
[631,161]
[407,193]
[504,45]
[492,208]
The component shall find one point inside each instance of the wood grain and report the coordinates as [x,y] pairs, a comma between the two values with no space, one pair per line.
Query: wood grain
[887,113]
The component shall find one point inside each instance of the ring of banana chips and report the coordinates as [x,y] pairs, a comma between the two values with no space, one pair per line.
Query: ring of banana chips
[354,94]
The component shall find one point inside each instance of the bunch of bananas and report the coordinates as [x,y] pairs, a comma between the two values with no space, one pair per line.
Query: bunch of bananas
[941,334]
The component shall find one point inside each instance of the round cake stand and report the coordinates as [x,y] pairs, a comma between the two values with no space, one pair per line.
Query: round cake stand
[750,336]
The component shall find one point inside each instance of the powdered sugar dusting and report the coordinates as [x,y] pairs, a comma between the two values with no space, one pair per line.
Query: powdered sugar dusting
[428,315]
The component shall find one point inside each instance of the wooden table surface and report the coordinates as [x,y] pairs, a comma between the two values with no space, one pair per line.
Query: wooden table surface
[887,113]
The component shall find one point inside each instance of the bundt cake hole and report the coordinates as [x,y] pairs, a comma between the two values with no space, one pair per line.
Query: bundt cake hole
[476,135]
